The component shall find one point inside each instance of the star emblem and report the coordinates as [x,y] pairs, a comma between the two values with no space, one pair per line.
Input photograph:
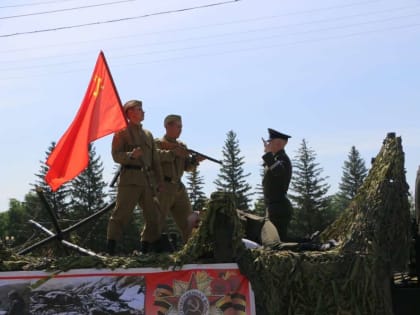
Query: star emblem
[193,294]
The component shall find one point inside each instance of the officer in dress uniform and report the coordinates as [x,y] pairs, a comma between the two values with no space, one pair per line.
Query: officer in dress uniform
[175,159]
[140,177]
[276,180]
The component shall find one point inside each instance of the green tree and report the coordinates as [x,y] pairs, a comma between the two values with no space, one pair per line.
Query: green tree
[16,223]
[59,200]
[195,191]
[309,193]
[112,191]
[259,205]
[88,196]
[354,173]
[88,188]
[231,177]
[28,234]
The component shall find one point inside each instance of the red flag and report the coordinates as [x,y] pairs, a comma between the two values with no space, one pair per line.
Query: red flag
[99,115]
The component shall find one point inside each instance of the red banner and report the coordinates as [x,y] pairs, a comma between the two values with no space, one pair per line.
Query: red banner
[204,290]
[210,289]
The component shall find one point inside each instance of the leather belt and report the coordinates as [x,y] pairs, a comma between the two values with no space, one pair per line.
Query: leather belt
[133,167]
[170,180]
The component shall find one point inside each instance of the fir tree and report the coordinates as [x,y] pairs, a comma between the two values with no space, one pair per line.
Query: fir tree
[259,205]
[195,190]
[354,173]
[112,191]
[231,177]
[309,193]
[88,187]
[58,200]
[88,197]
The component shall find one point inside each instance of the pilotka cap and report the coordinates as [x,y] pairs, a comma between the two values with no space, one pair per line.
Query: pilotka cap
[171,118]
[131,104]
[277,135]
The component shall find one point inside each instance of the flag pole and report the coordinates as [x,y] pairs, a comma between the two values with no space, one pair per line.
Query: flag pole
[112,82]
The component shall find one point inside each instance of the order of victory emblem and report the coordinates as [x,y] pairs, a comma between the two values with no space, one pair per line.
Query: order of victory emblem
[202,294]
[193,302]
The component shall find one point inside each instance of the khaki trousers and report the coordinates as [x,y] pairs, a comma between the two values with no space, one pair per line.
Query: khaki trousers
[175,200]
[127,198]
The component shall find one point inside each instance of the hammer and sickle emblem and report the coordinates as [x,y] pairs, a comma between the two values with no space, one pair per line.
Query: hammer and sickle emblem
[98,82]
[193,306]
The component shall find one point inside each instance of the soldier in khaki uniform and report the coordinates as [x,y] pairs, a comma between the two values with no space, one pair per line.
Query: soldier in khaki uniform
[175,159]
[134,149]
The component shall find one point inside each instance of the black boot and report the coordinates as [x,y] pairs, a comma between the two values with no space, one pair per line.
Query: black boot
[162,245]
[111,247]
[145,247]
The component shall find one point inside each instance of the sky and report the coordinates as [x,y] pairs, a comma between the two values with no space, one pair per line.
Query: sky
[334,73]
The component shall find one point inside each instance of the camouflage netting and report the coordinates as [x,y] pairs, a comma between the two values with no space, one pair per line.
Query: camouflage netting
[207,245]
[353,278]
[378,219]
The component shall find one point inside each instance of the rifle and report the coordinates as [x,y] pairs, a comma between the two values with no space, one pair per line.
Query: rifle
[114,179]
[195,153]
[171,146]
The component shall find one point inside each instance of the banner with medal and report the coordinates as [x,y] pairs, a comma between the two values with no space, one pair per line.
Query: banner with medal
[218,289]
[210,289]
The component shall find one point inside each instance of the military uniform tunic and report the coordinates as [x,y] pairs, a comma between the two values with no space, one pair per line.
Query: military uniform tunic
[137,182]
[175,197]
[276,180]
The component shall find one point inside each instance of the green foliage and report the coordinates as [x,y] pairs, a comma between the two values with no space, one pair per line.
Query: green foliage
[3,223]
[231,177]
[354,173]
[309,194]
[195,191]
[71,203]
[58,200]
[378,218]
[201,247]
[259,205]
[87,189]
[17,220]
[88,196]
[334,208]
[112,191]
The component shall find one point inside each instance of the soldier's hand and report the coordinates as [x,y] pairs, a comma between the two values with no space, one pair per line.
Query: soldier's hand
[199,158]
[181,152]
[136,153]
[267,146]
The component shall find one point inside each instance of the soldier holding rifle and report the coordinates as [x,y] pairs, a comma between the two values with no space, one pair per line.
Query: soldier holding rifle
[175,159]
[140,175]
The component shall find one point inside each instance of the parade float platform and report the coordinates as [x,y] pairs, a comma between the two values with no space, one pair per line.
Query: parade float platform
[215,274]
